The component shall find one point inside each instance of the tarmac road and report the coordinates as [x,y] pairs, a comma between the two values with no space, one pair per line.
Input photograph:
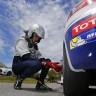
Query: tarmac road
[6,89]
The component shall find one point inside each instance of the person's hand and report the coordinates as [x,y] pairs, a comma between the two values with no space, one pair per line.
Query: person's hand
[43,61]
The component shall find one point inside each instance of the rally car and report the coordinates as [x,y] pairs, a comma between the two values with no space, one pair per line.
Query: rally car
[80,49]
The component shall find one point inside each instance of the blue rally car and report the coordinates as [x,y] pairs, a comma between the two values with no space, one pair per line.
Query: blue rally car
[80,49]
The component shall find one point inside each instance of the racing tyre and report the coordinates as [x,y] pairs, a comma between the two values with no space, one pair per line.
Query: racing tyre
[75,83]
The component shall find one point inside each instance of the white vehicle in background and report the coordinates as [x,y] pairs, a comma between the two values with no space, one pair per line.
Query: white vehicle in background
[7,71]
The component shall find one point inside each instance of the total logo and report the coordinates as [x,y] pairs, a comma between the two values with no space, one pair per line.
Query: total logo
[84,25]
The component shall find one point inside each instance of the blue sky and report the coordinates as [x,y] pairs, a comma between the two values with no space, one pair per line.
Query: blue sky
[18,15]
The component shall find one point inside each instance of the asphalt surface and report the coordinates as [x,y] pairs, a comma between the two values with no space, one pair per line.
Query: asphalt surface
[6,89]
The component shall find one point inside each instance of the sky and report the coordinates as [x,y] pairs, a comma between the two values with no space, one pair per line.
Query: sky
[19,15]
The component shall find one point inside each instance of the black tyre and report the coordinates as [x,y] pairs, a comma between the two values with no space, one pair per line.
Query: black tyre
[9,73]
[93,77]
[75,83]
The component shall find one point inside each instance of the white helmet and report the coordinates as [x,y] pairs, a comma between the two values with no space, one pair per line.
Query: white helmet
[38,29]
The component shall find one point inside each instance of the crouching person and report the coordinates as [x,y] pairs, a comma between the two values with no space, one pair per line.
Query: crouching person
[28,60]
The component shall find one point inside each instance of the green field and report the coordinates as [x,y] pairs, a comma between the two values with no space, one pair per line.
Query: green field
[11,79]
[52,77]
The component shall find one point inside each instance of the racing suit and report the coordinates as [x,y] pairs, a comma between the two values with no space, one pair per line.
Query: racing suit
[26,60]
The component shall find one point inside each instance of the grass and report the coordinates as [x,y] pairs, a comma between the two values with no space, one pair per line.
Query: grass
[11,79]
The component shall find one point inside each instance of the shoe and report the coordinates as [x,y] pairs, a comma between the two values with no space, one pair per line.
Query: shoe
[42,86]
[18,83]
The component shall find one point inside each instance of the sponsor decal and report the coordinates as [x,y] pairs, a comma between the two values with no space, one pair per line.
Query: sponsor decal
[91,35]
[85,38]
[77,41]
[84,25]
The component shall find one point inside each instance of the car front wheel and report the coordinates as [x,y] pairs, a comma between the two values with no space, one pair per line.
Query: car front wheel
[75,83]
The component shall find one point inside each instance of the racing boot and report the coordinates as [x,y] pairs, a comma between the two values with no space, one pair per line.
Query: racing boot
[41,86]
[18,83]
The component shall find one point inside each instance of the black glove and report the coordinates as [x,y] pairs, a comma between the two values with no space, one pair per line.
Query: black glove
[48,60]
[44,61]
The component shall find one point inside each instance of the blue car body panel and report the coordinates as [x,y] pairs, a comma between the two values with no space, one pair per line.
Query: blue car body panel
[82,56]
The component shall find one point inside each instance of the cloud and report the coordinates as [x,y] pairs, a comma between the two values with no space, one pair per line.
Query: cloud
[1,46]
[50,14]
[2,42]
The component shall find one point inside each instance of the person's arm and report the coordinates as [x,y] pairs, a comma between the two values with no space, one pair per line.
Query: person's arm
[39,55]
